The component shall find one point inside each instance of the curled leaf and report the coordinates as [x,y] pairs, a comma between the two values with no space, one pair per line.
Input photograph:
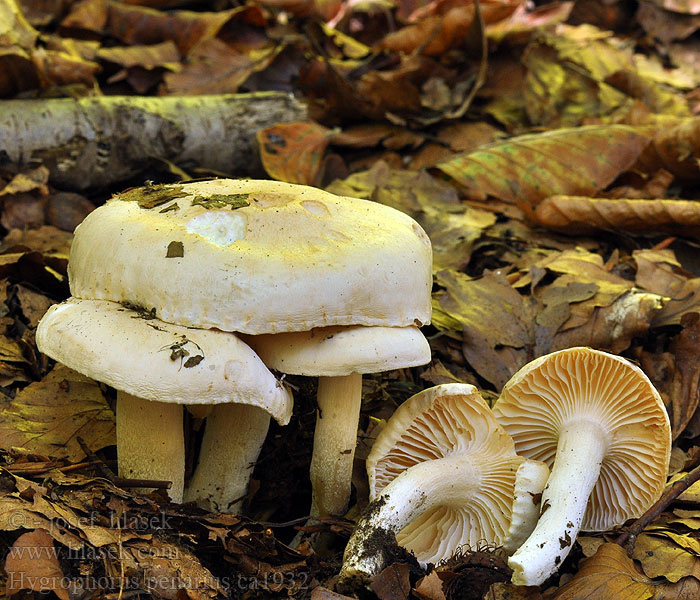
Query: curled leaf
[581,215]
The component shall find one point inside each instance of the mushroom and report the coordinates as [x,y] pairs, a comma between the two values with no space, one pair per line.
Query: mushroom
[597,420]
[339,356]
[254,257]
[258,257]
[442,474]
[157,368]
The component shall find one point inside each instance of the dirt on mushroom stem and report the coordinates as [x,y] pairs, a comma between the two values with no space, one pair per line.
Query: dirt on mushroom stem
[379,542]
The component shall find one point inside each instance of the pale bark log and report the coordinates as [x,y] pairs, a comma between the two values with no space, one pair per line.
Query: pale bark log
[95,142]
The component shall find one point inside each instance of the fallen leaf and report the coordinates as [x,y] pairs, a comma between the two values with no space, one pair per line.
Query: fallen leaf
[609,573]
[48,415]
[507,591]
[32,564]
[33,304]
[566,69]
[687,588]
[661,557]
[392,583]
[675,147]
[214,67]
[429,588]
[496,321]
[322,593]
[527,169]
[293,152]
[576,215]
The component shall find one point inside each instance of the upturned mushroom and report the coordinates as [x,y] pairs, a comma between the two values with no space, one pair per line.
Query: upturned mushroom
[597,420]
[442,474]
[256,257]
[157,368]
[339,356]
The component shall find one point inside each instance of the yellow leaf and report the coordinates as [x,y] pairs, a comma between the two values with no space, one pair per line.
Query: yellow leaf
[609,574]
[660,557]
[47,416]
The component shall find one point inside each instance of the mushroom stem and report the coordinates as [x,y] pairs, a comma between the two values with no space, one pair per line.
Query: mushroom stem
[580,451]
[339,400]
[449,481]
[233,437]
[150,441]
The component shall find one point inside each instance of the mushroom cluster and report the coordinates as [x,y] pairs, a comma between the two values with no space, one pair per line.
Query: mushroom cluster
[594,418]
[157,368]
[208,261]
[443,474]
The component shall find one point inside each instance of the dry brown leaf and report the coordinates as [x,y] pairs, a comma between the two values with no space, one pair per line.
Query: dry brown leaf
[14,28]
[322,593]
[566,69]
[507,591]
[688,518]
[606,575]
[152,56]
[497,322]
[167,571]
[687,588]
[660,557]
[527,169]
[656,97]
[392,583]
[28,181]
[33,304]
[47,416]
[32,564]
[433,35]
[429,588]
[612,327]
[528,20]
[23,211]
[578,215]
[55,69]
[214,67]
[46,239]
[294,152]
[676,373]
[659,272]
[675,147]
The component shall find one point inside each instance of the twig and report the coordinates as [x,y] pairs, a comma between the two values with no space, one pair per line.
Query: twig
[629,536]
[142,483]
[106,471]
[38,468]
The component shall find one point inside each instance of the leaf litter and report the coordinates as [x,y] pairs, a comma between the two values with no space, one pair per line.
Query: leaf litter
[560,115]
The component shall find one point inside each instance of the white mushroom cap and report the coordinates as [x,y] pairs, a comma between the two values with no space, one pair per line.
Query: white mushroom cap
[338,351]
[599,422]
[118,346]
[254,257]
[446,421]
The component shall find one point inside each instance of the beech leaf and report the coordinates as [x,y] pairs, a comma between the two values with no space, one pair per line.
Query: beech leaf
[609,573]
[47,416]
[293,152]
[581,215]
[32,564]
[525,170]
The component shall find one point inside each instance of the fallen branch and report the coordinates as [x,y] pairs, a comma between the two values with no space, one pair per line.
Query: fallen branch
[629,536]
[95,142]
